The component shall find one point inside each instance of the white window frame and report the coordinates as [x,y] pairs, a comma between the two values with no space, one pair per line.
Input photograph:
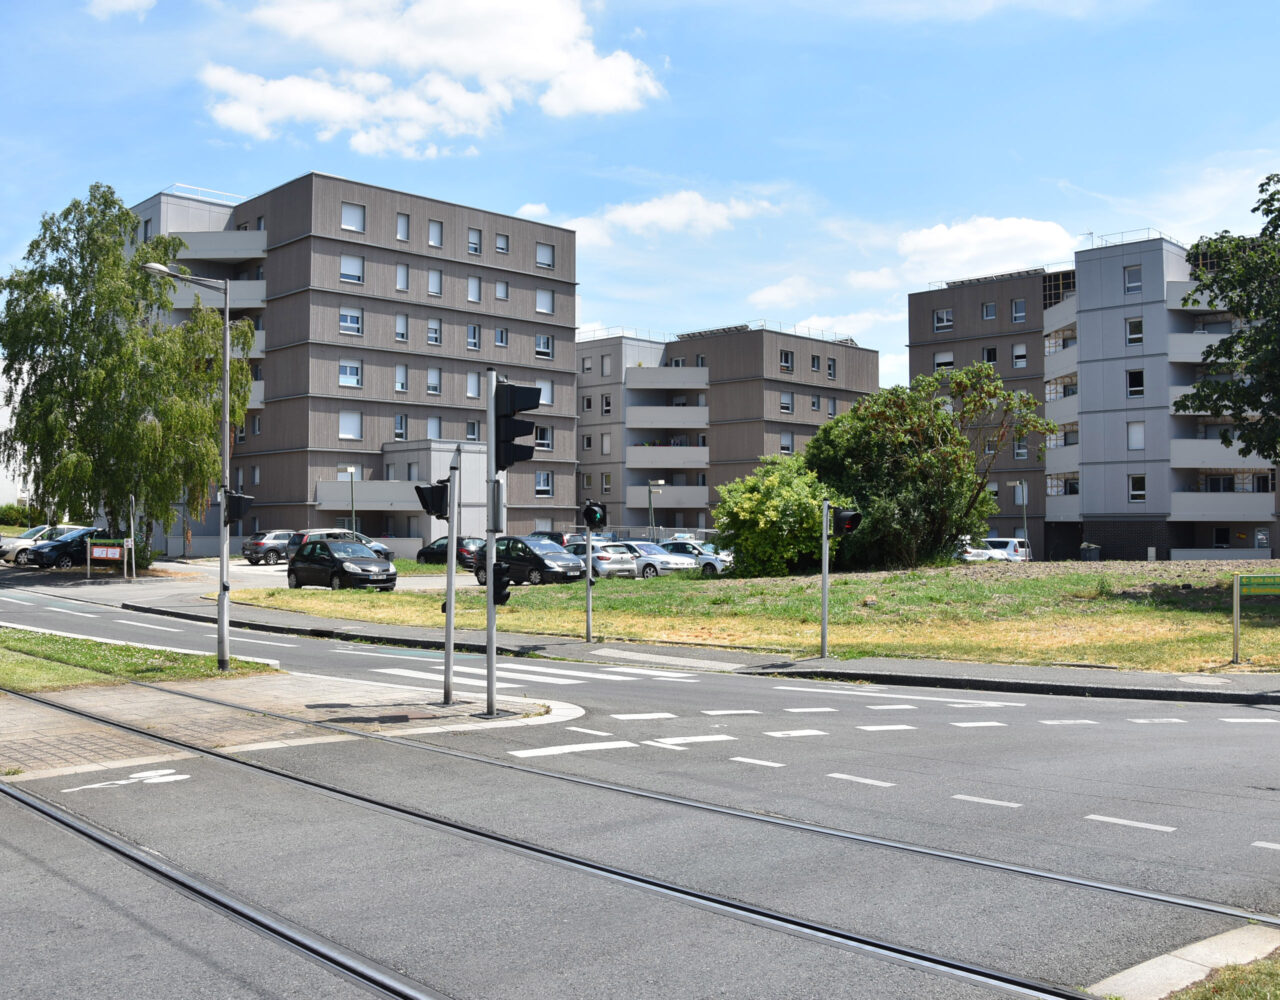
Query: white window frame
[435,281]
[544,345]
[473,336]
[815,403]
[586,404]
[1019,353]
[475,240]
[545,255]
[586,363]
[831,368]
[402,378]
[542,437]
[786,443]
[433,381]
[544,483]
[1135,391]
[473,385]
[991,355]
[435,330]
[586,442]
[1132,278]
[473,430]
[435,233]
[606,443]
[435,428]
[545,301]
[606,482]
[500,336]
[786,361]
[502,242]
[606,403]
[548,390]
[350,425]
[353,376]
[943,320]
[502,290]
[351,217]
[1130,325]
[351,321]
[1136,435]
[1018,310]
[1020,450]
[943,359]
[988,310]
[401,431]
[786,402]
[351,268]
[402,327]
[1138,488]
[402,277]
[606,365]
[402,226]
[473,288]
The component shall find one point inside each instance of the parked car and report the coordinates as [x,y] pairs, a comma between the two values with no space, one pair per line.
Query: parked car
[561,538]
[266,546]
[438,551]
[63,552]
[1015,549]
[977,550]
[341,534]
[14,550]
[531,559]
[608,559]
[338,563]
[711,563]
[653,560]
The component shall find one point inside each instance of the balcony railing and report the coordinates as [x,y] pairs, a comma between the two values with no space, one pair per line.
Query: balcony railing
[1211,453]
[667,457]
[667,417]
[668,497]
[1187,506]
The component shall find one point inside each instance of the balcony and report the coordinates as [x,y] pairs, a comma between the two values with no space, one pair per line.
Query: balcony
[244,295]
[636,377]
[667,457]
[1185,506]
[1063,410]
[257,393]
[1189,347]
[671,497]
[1062,508]
[1061,315]
[1175,291]
[259,348]
[224,245]
[1211,453]
[371,495]
[1063,459]
[691,418]
[1061,363]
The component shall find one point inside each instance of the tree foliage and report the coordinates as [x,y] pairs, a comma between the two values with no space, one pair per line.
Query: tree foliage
[772,519]
[107,401]
[1241,275]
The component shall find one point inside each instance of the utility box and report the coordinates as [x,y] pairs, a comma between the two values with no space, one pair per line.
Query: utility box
[1090,552]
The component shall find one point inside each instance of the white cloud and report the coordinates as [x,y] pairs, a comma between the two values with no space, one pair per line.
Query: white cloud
[982,245]
[972,10]
[533,210]
[413,69]
[591,232]
[879,280]
[786,293]
[103,9]
[856,324]
[684,211]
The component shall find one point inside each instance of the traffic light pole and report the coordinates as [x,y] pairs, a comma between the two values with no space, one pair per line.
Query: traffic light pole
[826,576]
[590,582]
[451,569]
[490,545]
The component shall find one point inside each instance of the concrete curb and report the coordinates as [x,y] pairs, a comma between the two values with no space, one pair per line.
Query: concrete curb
[1161,976]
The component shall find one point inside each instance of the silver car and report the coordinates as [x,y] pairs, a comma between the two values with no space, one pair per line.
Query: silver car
[653,560]
[18,550]
[607,558]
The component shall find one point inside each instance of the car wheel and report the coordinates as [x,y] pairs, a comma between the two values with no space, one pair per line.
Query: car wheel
[387,590]
[252,562]
[482,575]
[64,562]
[422,561]
[335,582]
[649,571]
[708,569]
[22,558]
[535,577]
[293,580]
[271,558]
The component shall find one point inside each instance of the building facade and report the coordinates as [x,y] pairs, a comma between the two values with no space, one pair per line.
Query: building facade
[377,314]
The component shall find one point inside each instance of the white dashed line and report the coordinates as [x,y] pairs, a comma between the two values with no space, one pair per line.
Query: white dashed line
[1157,721]
[158,628]
[972,725]
[1067,722]
[752,760]
[1133,822]
[437,678]
[644,715]
[786,733]
[988,802]
[953,702]
[805,710]
[661,746]
[883,729]
[675,741]
[1263,843]
[889,708]
[1249,720]
[729,711]
[259,642]
[589,732]
[675,661]
[14,600]
[570,748]
[68,611]
[862,781]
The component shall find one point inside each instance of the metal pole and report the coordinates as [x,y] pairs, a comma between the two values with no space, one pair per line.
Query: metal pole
[224,529]
[826,519]
[590,581]
[1026,498]
[490,544]
[1235,619]
[351,474]
[652,533]
[451,569]
[133,541]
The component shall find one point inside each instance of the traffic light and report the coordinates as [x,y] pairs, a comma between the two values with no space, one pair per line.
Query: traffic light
[501,583]
[508,400]
[234,506]
[594,516]
[846,521]
[435,499]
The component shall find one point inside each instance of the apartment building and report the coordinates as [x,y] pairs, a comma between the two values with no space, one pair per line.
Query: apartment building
[663,423]
[998,319]
[377,314]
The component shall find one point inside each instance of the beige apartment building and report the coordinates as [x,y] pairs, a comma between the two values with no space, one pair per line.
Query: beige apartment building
[378,313]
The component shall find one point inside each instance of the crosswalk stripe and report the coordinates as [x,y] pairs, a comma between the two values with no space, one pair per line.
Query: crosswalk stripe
[787,733]
[557,671]
[158,628]
[675,661]
[883,729]
[1158,721]
[437,678]
[644,715]
[68,611]
[729,711]
[807,710]
[570,748]
[676,741]
[1067,722]
[862,781]
[974,725]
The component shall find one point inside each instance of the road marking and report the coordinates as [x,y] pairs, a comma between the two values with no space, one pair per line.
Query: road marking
[988,802]
[675,741]
[1205,680]
[786,733]
[589,732]
[1263,843]
[68,611]
[644,715]
[729,711]
[1133,822]
[972,725]
[459,669]
[752,760]
[1157,721]
[803,710]
[953,702]
[883,729]
[438,678]
[1067,722]
[260,642]
[888,708]
[132,645]
[661,746]
[158,628]
[1250,720]
[565,673]
[675,661]
[570,748]
[862,781]
[14,600]
[143,777]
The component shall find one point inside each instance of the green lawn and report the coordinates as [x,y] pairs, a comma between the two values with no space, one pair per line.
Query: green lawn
[1257,981]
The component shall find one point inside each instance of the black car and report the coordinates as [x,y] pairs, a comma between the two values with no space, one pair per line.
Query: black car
[438,551]
[64,552]
[532,559]
[561,538]
[337,563]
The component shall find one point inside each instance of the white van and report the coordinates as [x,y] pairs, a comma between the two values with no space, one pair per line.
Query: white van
[1015,549]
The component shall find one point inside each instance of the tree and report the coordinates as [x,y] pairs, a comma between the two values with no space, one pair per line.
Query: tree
[916,460]
[107,401]
[1241,372]
[772,519]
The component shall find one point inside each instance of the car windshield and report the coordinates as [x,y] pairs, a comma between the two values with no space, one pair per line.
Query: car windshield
[78,533]
[351,550]
[710,547]
[258,536]
[543,545]
[650,549]
[619,549]
[32,532]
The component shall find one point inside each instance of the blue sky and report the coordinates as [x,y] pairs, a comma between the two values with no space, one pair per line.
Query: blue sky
[807,164]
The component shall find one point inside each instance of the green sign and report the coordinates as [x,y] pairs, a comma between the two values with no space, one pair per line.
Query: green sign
[1260,585]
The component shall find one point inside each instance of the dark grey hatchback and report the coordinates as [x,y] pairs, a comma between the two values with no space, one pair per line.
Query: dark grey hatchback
[337,564]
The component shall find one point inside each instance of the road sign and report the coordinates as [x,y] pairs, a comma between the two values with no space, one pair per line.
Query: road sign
[1259,585]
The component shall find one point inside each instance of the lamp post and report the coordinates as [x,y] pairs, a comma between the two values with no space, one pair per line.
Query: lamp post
[222,285]
[652,483]
[351,474]
[1022,484]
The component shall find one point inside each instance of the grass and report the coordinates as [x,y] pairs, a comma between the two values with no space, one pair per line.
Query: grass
[411,567]
[31,661]
[1151,616]
[1257,981]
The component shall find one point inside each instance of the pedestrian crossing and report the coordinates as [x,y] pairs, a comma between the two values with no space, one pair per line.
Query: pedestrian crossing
[506,675]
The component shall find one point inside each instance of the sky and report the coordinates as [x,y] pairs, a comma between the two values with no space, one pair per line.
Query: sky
[807,164]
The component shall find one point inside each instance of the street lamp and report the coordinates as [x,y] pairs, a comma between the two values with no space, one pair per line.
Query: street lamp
[222,285]
[351,474]
[1022,484]
[653,535]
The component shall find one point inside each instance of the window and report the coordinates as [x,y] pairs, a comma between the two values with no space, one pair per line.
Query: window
[548,391]
[500,337]
[1136,383]
[606,364]
[402,326]
[350,425]
[239,435]
[943,359]
[831,407]
[473,385]
[606,443]
[1221,537]
[606,482]
[402,378]
[1137,489]
[786,402]
[473,336]
[543,484]
[1220,484]
[473,289]
[546,255]
[1137,435]
[699,361]
[435,283]
[606,403]
[389,473]
[942,321]
[1133,331]
[351,268]
[586,442]
[586,363]
[502,243]
[831,367]
[677,362]
[351,320]
[402,226]
[434,331]
[815,403]
[988,310]
[412,472]
[502,290]
[989,446]
[786,443]
[786,361]
[433,381]
[349,373]
[815,362]
[990,354]
[255,424]
[1070,389]
[473,241]
[1020,448]
[1019,355]
[544,345]
[353,217]
[1264,482]
[546,301]
[542,438]
[1018,310]
[262,222]
[1019,497]
[586,480]
[586,404]
[402,277]
[473,430]
[1070,435]
[1071,487]
[994,490]
[435,233]
[1133,278]
[254,476]
[146,230]
[433,429]
[401,432]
